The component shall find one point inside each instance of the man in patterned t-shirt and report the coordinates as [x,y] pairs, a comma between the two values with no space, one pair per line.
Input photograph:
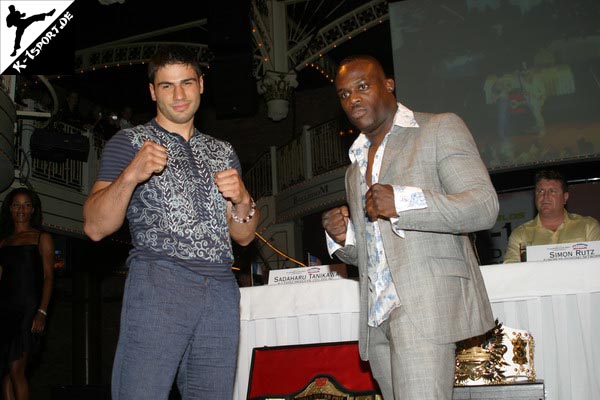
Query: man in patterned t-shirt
[183,196]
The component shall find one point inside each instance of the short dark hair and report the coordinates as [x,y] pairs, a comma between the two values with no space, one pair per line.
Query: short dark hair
[551,174]
[363,57]
[7,225]
[172,54]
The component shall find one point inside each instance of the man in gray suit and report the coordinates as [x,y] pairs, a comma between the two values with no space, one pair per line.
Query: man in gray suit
[415,188]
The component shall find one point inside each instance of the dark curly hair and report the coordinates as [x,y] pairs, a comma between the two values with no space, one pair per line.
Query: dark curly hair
[7,225]
[172,54]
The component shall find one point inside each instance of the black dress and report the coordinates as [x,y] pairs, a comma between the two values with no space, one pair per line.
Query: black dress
[20,295]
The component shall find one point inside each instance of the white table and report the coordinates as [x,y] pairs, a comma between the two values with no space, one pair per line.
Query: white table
[558,302]
[301,313]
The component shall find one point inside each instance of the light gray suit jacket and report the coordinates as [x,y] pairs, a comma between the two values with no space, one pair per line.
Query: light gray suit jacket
[434,269]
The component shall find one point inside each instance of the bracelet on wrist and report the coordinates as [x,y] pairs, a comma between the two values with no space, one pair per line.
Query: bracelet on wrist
[247,218]
[42,311]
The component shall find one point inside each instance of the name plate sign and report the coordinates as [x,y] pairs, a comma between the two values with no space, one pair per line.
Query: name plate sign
[563,251]
[307,274]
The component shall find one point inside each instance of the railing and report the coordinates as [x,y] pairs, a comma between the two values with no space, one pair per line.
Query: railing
[327,146]
[320,149]
[290,164]
[261,177]
[77,175]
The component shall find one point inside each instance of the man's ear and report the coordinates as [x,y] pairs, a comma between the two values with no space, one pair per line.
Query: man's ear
[390,85]
[152,94]
[201,83]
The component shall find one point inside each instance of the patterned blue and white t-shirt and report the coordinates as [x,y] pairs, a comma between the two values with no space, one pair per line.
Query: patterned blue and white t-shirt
[179,214]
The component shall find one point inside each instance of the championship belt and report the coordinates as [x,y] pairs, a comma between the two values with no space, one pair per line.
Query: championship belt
[503,356]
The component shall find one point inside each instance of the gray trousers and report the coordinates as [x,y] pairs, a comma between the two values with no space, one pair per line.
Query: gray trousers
[408,367]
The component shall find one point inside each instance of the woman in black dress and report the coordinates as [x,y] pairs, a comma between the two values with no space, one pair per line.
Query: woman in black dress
[26,261]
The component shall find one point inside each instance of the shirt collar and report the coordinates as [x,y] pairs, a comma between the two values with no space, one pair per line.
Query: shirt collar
[404,118]
[159,127]
[538,220]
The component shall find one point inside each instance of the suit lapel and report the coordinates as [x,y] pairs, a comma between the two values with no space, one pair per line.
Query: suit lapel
[394,148]
[353,185]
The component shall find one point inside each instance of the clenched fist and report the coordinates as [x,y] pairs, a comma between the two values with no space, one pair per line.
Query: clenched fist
[151,159]
[380,202]
[335,222]
[232,187]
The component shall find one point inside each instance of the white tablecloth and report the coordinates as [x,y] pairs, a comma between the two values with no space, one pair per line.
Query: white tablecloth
[558,302]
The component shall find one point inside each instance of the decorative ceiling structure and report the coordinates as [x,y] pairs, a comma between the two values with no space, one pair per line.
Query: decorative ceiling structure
[288,36]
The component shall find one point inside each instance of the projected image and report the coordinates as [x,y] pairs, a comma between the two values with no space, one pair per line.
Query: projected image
[523,74]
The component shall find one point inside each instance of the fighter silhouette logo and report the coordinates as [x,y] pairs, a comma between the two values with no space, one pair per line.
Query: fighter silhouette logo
[17,19]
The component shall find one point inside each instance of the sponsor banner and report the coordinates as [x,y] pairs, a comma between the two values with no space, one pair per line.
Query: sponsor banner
[563,251]
[307,274]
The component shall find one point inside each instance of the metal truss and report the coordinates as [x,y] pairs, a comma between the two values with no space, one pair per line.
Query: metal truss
[308,46]
[135,50]
[341,30]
